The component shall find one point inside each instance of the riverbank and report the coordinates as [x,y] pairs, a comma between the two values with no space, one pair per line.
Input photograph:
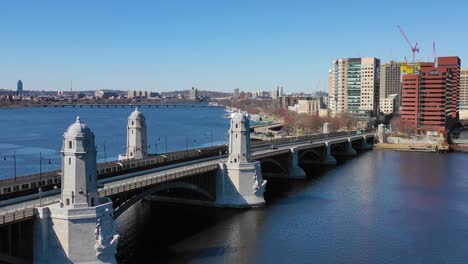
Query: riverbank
[422,147]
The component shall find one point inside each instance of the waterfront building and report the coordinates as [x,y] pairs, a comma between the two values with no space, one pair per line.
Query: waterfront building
[101,94]
[19,88]
[428,101]
[354,86]
[463,99]
[390,82]
[137,94]
[193,94]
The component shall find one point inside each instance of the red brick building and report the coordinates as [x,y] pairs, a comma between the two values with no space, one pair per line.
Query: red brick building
[409,98]
[430,96]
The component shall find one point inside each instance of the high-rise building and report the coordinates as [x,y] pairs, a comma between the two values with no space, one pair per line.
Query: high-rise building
[19,88]
[277,93]
[235,94]
[463,88]
[428,101]
[453,64]
[355,86]
[390,82]
[193,94]
[463,99]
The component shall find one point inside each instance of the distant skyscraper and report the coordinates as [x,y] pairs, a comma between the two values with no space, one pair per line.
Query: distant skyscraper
[19,88]
[276,93]
[355,87]
[193,94]
[390,82]
[236,94]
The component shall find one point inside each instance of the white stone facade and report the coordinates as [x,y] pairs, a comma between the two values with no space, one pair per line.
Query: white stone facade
[239,180]
[79,181]
[79,229]
[136,137]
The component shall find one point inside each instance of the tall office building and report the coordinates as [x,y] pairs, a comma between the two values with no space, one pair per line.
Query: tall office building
[19,88]
[276,93]
[193,94]
[355,86]
[463,99]
[428,101]
[235,94]
[390,82]
[452,64]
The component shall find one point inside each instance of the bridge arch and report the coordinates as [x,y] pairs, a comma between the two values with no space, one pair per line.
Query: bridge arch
[274,163]
[133,199]
[316,154]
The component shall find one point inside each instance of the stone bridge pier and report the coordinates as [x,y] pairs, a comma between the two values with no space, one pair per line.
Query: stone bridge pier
[239,180]
[295,171]
[79,229]
[343,149]
[318,155]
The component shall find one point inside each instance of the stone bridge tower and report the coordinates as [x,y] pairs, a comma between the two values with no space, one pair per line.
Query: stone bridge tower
[79,180]
[239,180]
[136,137]
[80,228]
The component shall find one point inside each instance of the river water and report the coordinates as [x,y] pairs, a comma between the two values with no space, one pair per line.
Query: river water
[380,207]
[31,131]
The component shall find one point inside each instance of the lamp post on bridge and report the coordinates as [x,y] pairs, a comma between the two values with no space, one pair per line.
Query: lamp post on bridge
[105,151]
[40,176]
[14,163]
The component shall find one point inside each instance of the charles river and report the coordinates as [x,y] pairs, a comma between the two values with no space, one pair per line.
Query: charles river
[380,207]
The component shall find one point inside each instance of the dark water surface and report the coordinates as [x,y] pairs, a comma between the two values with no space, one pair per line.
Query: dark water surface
[380,207]
[29,131]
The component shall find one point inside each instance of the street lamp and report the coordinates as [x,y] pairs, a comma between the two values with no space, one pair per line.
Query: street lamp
[40,176]
[14,163]
[105,152]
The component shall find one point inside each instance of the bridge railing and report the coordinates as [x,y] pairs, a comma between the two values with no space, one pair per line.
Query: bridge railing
[277,141]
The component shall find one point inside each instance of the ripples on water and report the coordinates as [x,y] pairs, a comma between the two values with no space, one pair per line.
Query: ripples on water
[381,207]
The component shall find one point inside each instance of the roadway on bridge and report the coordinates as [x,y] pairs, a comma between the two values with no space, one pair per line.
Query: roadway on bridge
[9,208]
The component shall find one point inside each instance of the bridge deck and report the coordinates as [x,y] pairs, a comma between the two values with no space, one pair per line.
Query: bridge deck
[22,208]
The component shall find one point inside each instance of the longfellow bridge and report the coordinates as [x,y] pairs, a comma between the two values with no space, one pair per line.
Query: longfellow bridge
[74,221]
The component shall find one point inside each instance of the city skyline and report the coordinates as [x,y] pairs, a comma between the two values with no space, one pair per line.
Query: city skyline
[209,45]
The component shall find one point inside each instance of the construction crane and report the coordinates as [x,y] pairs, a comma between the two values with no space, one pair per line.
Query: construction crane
[414,48]
[434,50]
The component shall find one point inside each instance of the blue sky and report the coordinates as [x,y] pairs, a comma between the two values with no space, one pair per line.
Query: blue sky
[212,45]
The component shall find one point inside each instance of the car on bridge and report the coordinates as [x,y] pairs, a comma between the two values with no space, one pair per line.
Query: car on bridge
[273,146]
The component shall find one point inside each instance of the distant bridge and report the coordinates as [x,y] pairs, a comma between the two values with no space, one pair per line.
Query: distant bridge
[132,105]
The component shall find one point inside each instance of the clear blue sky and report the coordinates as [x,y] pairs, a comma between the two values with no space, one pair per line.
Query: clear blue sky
[212,44]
